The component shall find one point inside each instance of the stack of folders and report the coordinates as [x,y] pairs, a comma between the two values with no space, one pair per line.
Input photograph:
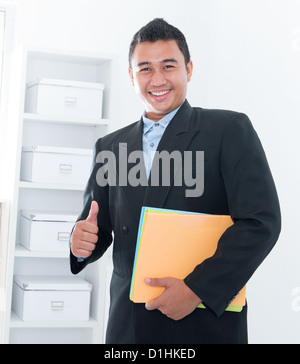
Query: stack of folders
[171,244]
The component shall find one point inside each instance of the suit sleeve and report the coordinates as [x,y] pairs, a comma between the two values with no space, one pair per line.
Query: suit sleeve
[254,208]
[93,192]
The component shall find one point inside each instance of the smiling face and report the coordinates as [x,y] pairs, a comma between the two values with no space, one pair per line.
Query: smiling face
[160,76]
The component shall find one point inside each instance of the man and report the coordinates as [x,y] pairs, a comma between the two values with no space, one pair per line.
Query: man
[237,182]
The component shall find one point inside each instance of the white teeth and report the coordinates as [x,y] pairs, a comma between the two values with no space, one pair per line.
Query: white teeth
[159,93]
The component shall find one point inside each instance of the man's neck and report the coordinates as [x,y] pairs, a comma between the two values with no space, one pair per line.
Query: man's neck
[157,117]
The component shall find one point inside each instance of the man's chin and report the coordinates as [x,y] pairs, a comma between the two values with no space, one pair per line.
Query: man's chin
[160,110]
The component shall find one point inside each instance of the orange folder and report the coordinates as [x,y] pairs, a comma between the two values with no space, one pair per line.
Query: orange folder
[171,244]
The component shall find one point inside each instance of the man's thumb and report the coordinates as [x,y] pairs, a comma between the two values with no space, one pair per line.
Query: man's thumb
[92,218]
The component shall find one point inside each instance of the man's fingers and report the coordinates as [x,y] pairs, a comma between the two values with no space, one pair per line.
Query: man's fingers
[87,246]
[81,253]
[87,227]
[158,282]
[85,250]
[153,304]
[88,237]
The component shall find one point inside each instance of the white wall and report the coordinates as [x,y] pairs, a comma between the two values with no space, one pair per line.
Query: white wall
[246,57]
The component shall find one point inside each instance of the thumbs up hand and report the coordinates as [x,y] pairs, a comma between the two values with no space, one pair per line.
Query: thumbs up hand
[85,234]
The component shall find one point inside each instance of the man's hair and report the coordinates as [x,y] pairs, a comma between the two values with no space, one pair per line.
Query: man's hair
[159,29]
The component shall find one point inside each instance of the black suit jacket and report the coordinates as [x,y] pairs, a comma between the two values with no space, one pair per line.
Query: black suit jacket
[237,181]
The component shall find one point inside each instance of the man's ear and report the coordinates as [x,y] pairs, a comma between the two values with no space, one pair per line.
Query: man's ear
[189,69]
[131,76]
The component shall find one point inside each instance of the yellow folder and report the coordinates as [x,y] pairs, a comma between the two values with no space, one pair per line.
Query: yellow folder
[171,244]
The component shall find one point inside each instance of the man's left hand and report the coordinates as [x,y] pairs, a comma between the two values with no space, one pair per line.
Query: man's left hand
[176,302]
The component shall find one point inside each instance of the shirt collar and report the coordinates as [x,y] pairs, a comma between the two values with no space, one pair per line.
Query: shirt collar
[164,122]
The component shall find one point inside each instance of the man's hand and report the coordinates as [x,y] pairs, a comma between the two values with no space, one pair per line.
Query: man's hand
[85,236]
[177,301]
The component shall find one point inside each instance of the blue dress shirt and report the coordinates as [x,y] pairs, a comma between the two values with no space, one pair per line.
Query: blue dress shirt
[152,134]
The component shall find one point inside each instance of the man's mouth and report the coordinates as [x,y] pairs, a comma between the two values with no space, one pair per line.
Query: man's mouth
[159,94]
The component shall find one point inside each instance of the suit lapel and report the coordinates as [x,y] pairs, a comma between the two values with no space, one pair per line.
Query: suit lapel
[133,143]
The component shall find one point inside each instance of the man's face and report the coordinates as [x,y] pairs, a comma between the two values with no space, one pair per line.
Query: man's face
[160,76]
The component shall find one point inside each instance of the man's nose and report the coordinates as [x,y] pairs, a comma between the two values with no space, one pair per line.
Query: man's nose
[158,79]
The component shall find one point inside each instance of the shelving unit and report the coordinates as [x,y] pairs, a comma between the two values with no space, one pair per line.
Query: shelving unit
[4,219]
[67,132]
[51,186]
[64,120]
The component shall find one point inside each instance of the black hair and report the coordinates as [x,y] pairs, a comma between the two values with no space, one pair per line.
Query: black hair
[159,29]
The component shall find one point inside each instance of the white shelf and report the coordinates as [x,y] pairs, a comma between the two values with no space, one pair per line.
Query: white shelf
[65,120]
[16,322]
[24,253]
[61,55]
[51,186]
[62,132]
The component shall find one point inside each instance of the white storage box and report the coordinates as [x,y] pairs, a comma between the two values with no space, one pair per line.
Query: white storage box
[65,98]
[40,231]
[57,298]
[56,165]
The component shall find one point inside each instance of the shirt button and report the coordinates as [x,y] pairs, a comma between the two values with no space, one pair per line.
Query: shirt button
[156,125]
[152,145]
[125,230]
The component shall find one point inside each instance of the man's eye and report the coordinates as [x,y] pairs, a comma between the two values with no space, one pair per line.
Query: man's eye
[146,69]
[168,66]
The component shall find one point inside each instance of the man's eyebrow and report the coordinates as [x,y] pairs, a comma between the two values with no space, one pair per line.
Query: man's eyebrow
[141,64]
[168,60]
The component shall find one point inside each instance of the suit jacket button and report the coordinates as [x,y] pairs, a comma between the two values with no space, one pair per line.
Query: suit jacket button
[125,230]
